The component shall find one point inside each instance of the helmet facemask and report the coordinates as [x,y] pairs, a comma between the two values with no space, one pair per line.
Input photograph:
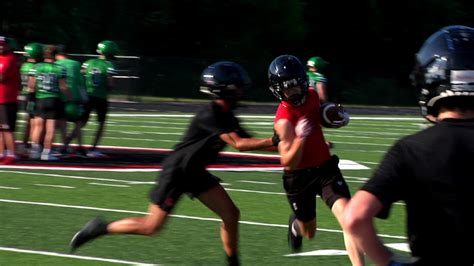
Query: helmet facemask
[284,74]
[293,91]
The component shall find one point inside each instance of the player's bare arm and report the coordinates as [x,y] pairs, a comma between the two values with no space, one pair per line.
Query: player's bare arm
[322,91]
[290,146]
[358,223]
[246,144]
[31,84]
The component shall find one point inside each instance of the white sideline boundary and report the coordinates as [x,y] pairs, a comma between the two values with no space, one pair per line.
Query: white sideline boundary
[55,254]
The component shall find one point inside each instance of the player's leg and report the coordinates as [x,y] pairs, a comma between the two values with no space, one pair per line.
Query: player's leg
[36,136]
[101,106]
[98,134]
[355,255]
[336,194]
[3,128]
[78,133]
[217,200]
[302,199]
[145,225]
[48,140]
[163,198]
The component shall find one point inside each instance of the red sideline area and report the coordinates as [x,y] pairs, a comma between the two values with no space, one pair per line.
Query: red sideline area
[136,159]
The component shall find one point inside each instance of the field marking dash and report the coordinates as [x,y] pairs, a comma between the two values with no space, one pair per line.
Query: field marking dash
[49,185]
[108,185]
[255,191]
[55,254]
[3,187]
[256,182]
[70,177]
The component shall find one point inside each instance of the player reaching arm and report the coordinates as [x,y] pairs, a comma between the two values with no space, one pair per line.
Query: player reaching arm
[184,170]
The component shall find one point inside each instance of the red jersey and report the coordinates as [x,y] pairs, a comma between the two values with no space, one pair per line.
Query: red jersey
[10,80]
[315,150]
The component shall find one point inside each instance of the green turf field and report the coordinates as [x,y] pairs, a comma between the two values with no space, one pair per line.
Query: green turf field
[40,210]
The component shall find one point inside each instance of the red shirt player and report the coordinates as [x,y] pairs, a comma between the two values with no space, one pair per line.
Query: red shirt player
[10,85]
[310,169]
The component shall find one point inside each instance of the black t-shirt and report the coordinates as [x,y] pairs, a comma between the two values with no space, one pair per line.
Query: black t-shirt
[433,172]
[201,143]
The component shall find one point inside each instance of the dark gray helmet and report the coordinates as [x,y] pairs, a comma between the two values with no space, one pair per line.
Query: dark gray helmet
[222,78]
[444,67]
[284,72]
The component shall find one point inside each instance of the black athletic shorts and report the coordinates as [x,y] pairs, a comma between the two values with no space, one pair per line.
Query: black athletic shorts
[8,116]
[100,105]
[50,108]
[173,182]
[303,185]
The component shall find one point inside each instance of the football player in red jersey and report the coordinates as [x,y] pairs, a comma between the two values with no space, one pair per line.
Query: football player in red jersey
[10,86]
[309,168]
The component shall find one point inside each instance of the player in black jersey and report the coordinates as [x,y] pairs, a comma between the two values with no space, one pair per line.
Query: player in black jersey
[184,170]
[432,170]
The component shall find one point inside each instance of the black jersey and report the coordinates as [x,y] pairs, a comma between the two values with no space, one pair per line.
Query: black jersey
[433,172]
[201,143]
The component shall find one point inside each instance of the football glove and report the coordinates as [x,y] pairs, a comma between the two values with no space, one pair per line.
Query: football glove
[303,128]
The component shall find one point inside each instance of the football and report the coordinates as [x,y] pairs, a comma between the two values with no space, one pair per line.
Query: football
[333,115]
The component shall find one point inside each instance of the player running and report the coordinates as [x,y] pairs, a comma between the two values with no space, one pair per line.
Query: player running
[184,170]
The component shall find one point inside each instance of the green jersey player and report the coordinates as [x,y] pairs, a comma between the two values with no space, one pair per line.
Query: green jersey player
[317,80]
[33,54]
[98,74]
[74,111]
[46,83]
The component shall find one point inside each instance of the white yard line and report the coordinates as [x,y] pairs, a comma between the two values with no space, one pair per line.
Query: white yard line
[172,215]
[57,186]
[68,176]
[255,191]
[256,182]
[108,185]
[55,254]
[3,187]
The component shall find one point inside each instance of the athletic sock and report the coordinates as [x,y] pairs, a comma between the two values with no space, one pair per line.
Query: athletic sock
[233,260]
[103,228]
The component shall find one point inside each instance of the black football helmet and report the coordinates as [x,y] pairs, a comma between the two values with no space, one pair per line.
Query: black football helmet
[285,72]
[224,80]
[444,67]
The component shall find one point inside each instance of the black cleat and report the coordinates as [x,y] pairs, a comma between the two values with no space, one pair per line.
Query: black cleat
[92,230]
[294,241]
